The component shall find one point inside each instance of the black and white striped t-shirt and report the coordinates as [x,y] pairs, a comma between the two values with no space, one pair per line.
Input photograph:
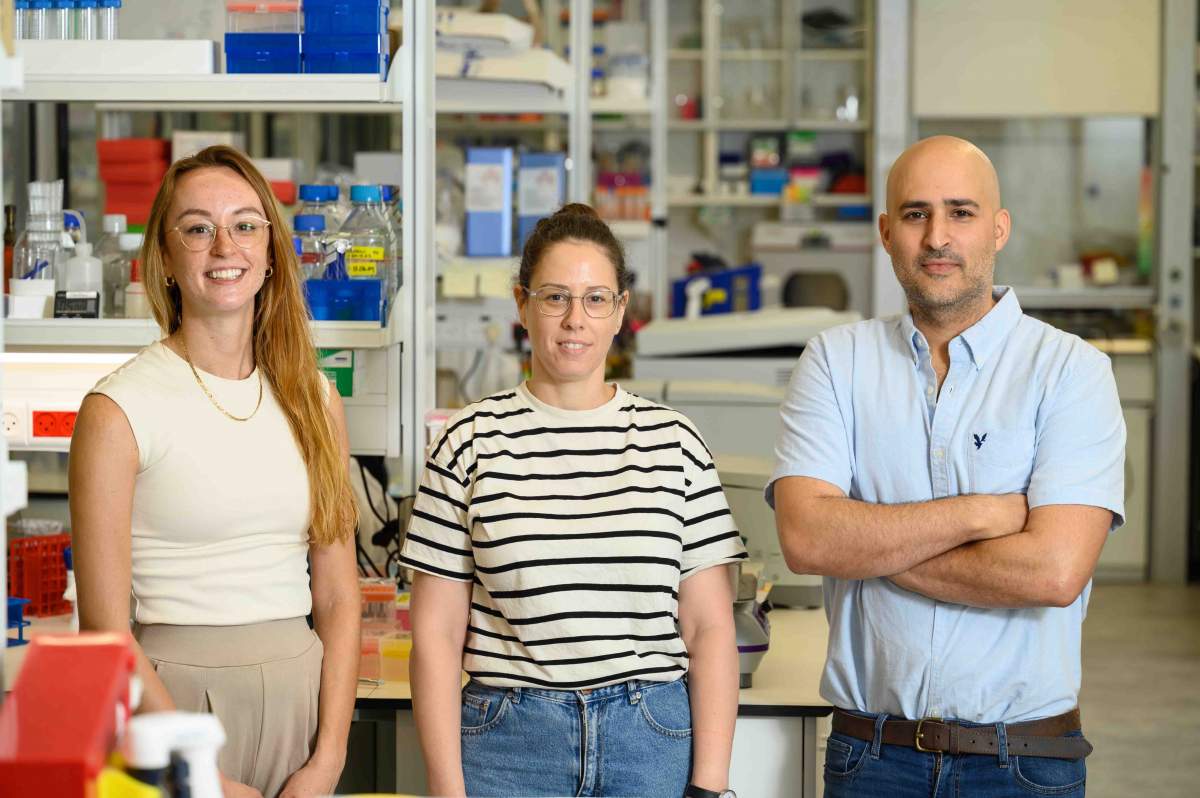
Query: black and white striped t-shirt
[576,528]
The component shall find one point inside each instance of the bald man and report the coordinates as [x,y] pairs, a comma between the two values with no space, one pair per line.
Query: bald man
[953,473]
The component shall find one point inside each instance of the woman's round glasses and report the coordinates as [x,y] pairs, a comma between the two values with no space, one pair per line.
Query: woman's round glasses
[599,303]
[246,232]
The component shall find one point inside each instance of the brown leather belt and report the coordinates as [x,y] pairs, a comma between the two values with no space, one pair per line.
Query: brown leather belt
[1032,738]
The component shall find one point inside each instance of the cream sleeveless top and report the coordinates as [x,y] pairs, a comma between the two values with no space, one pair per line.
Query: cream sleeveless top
[220,507]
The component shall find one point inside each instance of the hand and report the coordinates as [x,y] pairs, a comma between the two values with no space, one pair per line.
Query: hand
[235,789]
[312,779]
[1008,516]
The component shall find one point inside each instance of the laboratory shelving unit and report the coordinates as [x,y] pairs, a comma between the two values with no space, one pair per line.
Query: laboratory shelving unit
[786,66]
[13,478]
[405,345]
[575,114]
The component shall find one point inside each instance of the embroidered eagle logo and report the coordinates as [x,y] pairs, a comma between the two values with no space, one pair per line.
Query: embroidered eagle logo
[979,439]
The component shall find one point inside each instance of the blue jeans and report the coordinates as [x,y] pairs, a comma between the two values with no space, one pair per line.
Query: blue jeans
[632,740]
[856,768]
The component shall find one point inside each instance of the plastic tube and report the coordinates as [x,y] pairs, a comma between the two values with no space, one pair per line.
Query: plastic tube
[60,20]
[20,18]
[39,10]
[86,19]
[109,12]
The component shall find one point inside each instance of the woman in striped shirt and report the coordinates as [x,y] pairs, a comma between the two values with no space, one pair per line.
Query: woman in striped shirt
[564,539]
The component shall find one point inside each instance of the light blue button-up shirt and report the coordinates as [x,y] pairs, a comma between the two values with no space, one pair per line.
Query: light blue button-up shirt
[1024,408]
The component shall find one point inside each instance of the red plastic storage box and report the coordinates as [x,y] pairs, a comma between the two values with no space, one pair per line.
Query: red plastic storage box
[36,571]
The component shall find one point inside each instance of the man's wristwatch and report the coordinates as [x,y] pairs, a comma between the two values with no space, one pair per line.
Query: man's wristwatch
[693,791]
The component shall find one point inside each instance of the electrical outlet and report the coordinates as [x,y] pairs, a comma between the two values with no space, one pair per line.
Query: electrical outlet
[15,419]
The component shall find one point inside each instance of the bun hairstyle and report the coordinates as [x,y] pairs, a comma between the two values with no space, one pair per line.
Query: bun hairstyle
[573,222]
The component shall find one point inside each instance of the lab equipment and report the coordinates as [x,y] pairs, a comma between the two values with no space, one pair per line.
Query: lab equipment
[87,19]
[541,187]
[262,37]
[39,20]
[730,290]
[115,271]
[16,620]
[110,19]
[152,738]
[477,32]
[72,699]
[83,286]
[60,19]
[751,628]
[489,201]
[345,36]
[363,253]
[37,571]
[310,240]
[134,301]
[20,18]
[38,255]
[69,592]
[73,227]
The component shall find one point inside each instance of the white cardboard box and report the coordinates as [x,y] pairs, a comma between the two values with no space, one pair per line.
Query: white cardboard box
[126,57]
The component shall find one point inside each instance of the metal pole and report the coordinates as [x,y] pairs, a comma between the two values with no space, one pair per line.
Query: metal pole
[893,132]
[579,182]
[1176,128]
[658,157]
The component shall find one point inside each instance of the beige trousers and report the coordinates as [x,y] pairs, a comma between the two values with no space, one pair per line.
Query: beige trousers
[262,681]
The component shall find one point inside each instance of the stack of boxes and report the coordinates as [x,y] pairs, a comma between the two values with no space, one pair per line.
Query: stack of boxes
[132,170]
[318,36]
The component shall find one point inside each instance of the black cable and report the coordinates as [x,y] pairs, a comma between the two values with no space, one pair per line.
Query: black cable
[367,492]
[462,383]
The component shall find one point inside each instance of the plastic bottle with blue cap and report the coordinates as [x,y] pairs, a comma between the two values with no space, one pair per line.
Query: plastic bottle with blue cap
[109,19]
[60,19]
[39,22]
[372,247]
[87,19]
[20,19]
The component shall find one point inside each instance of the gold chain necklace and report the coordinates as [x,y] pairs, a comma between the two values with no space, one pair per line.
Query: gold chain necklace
[208,393]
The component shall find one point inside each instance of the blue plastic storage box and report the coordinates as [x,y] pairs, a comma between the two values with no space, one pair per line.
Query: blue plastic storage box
[733,291]
[344,54]
[344,300]
[247,53]
[768,181]
[346,17]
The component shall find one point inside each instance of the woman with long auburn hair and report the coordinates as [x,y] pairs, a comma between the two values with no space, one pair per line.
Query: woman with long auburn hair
[210,501]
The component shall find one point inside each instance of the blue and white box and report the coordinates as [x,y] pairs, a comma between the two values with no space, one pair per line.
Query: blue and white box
[489,202]
[541,188]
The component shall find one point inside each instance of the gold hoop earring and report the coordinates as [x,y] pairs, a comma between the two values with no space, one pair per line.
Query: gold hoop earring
[170,281]
[270,270]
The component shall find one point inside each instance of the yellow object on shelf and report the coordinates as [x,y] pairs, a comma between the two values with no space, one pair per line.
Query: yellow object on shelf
[113,783]
[394,653]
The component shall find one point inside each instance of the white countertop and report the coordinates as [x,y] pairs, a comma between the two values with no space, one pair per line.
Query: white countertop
[785,683]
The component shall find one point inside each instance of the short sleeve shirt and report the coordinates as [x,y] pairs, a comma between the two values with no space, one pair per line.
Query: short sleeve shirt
[576,528]
[1024,408]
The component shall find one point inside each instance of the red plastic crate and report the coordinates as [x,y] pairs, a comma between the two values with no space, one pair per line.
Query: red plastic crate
[140,172]
[112,151]
[36,571]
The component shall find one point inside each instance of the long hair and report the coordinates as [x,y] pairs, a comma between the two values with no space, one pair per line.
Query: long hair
[283,348]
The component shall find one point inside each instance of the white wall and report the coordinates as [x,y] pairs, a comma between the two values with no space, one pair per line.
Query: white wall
[1031,58]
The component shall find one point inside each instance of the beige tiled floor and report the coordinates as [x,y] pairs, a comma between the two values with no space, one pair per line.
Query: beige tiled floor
[1141,691]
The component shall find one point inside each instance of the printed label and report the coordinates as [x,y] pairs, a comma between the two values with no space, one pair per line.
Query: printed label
[486,188]
[362,268]
[538,191]
[366,253]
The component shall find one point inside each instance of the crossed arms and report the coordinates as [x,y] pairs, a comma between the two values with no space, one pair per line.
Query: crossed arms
[978,550]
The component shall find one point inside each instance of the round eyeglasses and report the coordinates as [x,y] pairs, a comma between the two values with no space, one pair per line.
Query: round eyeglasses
[247,233]
[599,303]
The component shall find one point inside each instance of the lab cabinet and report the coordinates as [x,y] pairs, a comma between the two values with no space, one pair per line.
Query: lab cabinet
[1126,553]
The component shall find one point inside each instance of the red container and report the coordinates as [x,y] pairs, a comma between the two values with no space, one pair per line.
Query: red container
[284,190]
[131,193]
[36,571]
[133,150]
[141,172]
[135,212]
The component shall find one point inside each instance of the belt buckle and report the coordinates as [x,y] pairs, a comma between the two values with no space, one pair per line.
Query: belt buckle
[920,734]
